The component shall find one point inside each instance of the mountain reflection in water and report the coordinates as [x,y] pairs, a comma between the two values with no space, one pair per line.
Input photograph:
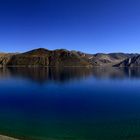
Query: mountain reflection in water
[42,75]
[70,103]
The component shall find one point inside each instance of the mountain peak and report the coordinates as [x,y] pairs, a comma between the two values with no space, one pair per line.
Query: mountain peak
[39,51]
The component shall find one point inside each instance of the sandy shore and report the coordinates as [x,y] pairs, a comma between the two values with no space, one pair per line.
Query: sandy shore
[6,138]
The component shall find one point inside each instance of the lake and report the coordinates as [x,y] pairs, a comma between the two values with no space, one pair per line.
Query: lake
[70,103]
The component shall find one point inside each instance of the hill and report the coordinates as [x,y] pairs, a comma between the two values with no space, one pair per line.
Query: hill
[44,57]
[130,62]
[110,59]
[64,58]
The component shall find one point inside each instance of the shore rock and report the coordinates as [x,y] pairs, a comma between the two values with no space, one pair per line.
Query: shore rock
[6,138]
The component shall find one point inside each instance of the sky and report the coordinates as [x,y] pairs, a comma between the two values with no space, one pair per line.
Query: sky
[90,26]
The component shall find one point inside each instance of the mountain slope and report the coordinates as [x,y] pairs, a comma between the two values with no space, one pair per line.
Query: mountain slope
[44,57]
[5,58]
[65,58]
[130,62]
[110,59]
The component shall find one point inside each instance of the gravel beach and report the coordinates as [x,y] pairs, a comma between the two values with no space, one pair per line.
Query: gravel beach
[6,138]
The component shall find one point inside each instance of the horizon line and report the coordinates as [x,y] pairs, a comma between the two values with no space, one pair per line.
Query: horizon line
[69,50]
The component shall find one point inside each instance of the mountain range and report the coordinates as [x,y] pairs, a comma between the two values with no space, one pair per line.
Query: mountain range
[64,58]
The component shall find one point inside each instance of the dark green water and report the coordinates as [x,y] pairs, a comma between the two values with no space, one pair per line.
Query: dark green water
[70,103]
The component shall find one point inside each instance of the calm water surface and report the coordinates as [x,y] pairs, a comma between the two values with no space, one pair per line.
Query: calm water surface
[70,103]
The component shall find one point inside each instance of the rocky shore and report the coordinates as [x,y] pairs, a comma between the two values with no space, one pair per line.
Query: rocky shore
[6,138]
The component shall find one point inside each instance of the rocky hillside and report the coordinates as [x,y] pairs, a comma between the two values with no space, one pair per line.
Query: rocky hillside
[62,57]
[44,57]
[130,62]
[110,59]
[5,58]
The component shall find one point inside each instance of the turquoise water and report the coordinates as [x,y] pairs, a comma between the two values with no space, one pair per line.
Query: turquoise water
[70,103]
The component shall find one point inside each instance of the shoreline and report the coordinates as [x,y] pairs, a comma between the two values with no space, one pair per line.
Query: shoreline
[2,137]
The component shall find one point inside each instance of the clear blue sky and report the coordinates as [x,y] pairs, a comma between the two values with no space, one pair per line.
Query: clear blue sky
[87,25]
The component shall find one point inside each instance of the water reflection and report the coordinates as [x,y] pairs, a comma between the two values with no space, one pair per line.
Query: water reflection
[46,74]
[92,106]
[42,75]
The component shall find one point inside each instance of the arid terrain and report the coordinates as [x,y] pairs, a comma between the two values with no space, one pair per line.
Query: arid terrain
[66,58]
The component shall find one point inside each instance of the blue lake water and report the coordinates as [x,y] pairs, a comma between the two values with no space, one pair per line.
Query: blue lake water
[70,103]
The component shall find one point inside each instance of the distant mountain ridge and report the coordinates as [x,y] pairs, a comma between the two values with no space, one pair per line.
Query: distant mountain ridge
[130,62]
[65,58]
[111,59]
